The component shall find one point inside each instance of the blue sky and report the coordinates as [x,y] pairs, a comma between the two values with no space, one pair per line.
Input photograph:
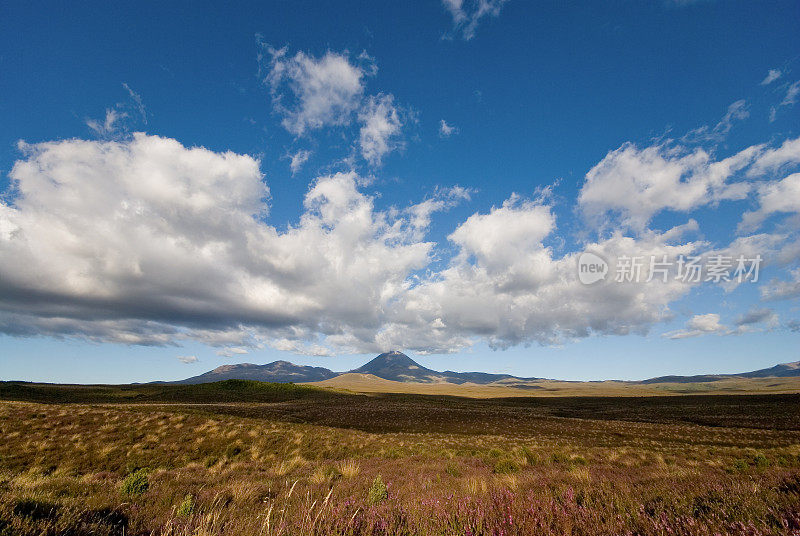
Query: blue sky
[414,175]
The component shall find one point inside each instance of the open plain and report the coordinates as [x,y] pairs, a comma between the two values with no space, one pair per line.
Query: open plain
[247,458]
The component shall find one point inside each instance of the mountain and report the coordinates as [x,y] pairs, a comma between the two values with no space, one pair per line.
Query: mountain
[784,370]
[277,371]
[397,366]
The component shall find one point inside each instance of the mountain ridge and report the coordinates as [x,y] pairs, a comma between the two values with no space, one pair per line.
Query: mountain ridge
[397,366]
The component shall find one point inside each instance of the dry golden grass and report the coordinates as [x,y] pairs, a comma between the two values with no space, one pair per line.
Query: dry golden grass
[451,466]
[368,383]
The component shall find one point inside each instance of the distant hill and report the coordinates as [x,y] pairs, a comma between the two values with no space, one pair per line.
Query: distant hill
[276,372]
[223,391]
[784,370]
[397,367]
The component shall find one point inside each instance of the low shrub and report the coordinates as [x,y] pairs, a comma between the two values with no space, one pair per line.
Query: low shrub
[739,465]
[186,508]
[136,483]
[505,466]
[378,492]
[453,470]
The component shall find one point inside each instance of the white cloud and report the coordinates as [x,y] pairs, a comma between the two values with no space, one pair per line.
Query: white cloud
[506,287]
[311,93]
[636,184]
[774,196]
[443,199]
[119,119]
[467,14]
[187,359]
[301,348]
[631,184]
[445,130]
[782,290]
[145,241]
[298,159]
[148,242]
[789,100]
[137,102]
[381,124]
[772,75]
[777,159]
[737,111]
[791,94]
[699,325]
[109,128]
[231,351]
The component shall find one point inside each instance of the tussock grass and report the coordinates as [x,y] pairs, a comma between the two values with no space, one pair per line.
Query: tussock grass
[400,465]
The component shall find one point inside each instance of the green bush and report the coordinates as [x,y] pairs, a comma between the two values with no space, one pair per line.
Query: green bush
[739,465]
[452,470]
[378,492]
[186,507]
[760,461]
[506,466]
[135,483]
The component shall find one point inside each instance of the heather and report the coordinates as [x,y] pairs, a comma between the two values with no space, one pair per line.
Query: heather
[363,465]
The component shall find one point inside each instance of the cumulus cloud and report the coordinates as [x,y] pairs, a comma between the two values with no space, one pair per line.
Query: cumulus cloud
[187,359]
[772,75]
[146,241]
[311,93]
[381,124]
[467,14]
[507,287]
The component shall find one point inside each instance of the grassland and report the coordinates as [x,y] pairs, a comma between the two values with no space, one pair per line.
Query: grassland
[242,458]
[367,383]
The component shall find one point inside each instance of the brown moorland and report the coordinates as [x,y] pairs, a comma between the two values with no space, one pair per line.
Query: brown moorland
[244,458]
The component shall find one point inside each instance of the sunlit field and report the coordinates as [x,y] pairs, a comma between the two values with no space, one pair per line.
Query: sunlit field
[298,460]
